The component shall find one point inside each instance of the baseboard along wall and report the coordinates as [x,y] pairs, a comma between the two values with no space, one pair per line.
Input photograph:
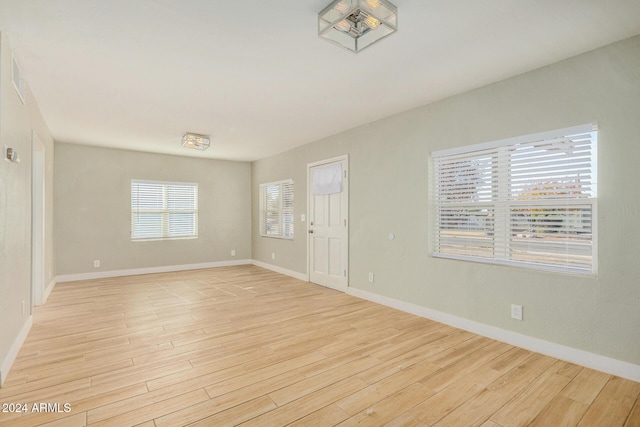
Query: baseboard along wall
[149,270]
[6,364]
[598,362]
[594,361]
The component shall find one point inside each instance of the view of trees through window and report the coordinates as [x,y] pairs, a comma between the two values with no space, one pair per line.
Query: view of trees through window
[526,203]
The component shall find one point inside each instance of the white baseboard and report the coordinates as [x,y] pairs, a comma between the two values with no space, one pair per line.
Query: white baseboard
[580,357]
[598,362]
[5,367]
[149,270]
[48,290]
[286,272]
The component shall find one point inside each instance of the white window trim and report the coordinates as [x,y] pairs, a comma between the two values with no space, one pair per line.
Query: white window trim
[281,210]
[165,211]
[501,256]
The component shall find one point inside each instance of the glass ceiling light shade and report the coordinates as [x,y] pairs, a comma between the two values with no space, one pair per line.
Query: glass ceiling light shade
[357,24]
[194,140]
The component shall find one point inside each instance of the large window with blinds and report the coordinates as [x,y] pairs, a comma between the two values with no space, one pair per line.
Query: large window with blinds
[276,209]
[528,201]
[163,210]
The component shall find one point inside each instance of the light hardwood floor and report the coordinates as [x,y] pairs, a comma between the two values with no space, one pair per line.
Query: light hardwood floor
[243,345]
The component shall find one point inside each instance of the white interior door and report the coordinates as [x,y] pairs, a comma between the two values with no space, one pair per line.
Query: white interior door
[328,224]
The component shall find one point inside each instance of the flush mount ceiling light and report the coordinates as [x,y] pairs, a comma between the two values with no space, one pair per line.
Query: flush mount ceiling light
[357,24]
[194,140]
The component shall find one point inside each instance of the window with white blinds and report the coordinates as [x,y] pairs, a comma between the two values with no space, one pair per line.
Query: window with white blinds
[527,201]
[163,210]
[276,209]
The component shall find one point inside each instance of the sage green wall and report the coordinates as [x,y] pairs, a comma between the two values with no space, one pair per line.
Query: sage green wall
[389,193]
[93,209]
[17,121]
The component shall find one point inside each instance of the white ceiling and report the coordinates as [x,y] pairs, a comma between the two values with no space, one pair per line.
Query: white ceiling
[253,74]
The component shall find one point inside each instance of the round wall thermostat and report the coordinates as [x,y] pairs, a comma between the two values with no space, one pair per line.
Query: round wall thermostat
[392,236]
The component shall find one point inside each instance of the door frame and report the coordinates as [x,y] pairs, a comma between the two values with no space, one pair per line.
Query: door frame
[37,221]
[345,158]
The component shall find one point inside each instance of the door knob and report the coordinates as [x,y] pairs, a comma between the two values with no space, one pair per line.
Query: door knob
[310,231]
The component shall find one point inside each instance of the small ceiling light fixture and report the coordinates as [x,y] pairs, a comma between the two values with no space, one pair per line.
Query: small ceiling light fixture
[197,141]
[357,24]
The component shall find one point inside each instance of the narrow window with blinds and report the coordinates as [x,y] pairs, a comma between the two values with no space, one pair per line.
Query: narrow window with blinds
[276,209]
[528,201]
[163,210]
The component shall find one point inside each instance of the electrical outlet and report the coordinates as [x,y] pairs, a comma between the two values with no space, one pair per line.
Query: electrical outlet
[96,263]
[371,277]
[233,252]
[516,311]
[273,255]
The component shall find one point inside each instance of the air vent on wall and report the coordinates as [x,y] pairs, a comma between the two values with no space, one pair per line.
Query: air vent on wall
[16,78]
